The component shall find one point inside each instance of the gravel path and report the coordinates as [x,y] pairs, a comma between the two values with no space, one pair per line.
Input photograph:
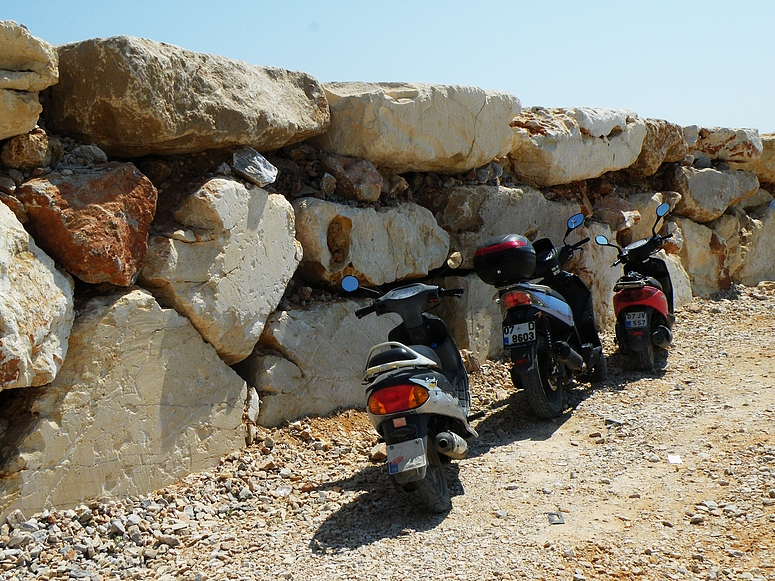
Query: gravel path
[669,475]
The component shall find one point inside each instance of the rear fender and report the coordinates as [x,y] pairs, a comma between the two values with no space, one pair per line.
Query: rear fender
[523,358]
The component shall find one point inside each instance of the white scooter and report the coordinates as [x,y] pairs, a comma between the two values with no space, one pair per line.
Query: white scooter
[417,392]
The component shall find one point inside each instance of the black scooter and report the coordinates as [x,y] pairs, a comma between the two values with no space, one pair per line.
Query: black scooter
[417,392]
[548,318]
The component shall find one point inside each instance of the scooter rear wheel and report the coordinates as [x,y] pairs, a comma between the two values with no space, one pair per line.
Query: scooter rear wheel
[433,490]
[544,385]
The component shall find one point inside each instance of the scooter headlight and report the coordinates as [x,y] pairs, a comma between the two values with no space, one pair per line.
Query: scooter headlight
[397,398]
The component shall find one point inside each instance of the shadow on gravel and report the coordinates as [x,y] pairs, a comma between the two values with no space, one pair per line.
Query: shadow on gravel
[510,420]
[384,511]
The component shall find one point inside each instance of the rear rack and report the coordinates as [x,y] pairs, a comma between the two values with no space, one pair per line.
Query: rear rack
[417,360]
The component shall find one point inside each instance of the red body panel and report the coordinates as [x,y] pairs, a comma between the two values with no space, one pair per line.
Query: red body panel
[648,296]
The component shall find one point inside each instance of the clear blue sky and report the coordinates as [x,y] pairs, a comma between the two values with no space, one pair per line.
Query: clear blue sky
[697,62]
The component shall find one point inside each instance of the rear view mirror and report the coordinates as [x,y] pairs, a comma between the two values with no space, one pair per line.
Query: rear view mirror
[575,221]
[601,240]
[455,260]
[663,209]
[350,283]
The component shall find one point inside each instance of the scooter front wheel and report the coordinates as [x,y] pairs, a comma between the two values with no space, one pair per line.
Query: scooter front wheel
[433,490]
[544,386]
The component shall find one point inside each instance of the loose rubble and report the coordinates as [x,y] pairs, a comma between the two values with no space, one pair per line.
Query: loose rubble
[669,475]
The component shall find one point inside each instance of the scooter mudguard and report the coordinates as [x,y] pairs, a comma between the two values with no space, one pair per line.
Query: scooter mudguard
[406,438]
[523,358]
[637,325]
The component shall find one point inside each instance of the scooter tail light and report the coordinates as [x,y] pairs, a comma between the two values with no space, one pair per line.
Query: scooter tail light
[513,299]
[633,295]
[397,398]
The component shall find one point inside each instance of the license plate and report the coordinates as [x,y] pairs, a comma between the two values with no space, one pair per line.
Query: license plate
[635,319]
[519,334]
[405,456]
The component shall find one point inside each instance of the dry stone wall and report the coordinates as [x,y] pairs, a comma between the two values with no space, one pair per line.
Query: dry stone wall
[174,225]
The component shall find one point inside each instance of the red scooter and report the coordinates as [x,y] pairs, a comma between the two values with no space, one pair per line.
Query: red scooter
[643,296]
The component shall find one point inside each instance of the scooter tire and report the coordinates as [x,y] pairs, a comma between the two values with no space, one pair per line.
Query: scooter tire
[545,399]
[433,490]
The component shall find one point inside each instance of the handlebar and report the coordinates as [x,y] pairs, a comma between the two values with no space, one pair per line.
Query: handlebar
[451,292]
[360,313]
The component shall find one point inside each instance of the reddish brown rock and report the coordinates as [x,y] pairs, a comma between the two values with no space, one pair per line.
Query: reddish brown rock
[356,179]
[31,150]
[94,223]
[616,212]
[664,142]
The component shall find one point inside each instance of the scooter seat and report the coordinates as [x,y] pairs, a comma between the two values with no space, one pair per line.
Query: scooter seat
[402,354]
[636,280]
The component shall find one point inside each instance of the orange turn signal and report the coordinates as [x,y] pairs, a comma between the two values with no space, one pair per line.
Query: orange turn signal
[397,398]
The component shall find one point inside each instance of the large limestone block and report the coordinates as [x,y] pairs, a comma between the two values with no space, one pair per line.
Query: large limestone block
[723,144]
[228,267]
[664,143]
[764,165]
[560,146]
[757,249]
[93,222]
[394,243]
[679,278]
[646,204]
[18,112]
[417,127]
[707,193]
[27,65]
[704,256]
[727,229]
[326,347]
[474,320]
[36,309]
[134,97]
[140,402]
[593,265]
[472,214]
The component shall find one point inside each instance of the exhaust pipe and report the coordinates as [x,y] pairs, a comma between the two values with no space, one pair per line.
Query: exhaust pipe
[567,355]
[450,444]
[662,337]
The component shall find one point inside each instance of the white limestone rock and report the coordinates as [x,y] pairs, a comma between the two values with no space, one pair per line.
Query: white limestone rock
[229,269]
[704,256]
[679,278]
[27,65]
[135,97]
[36,309]
[560,146]
[140,402]
[417,127]
[474,320]
[394,243]
[764,165]
[707,193]
[646,204]
[722,143]
[325,347]
[757,250]
[473,214]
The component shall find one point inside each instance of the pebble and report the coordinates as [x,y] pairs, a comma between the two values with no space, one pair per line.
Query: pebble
[312,499]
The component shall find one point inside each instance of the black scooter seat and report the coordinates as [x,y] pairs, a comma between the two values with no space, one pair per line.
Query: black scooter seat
[635,280]
[402,354]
